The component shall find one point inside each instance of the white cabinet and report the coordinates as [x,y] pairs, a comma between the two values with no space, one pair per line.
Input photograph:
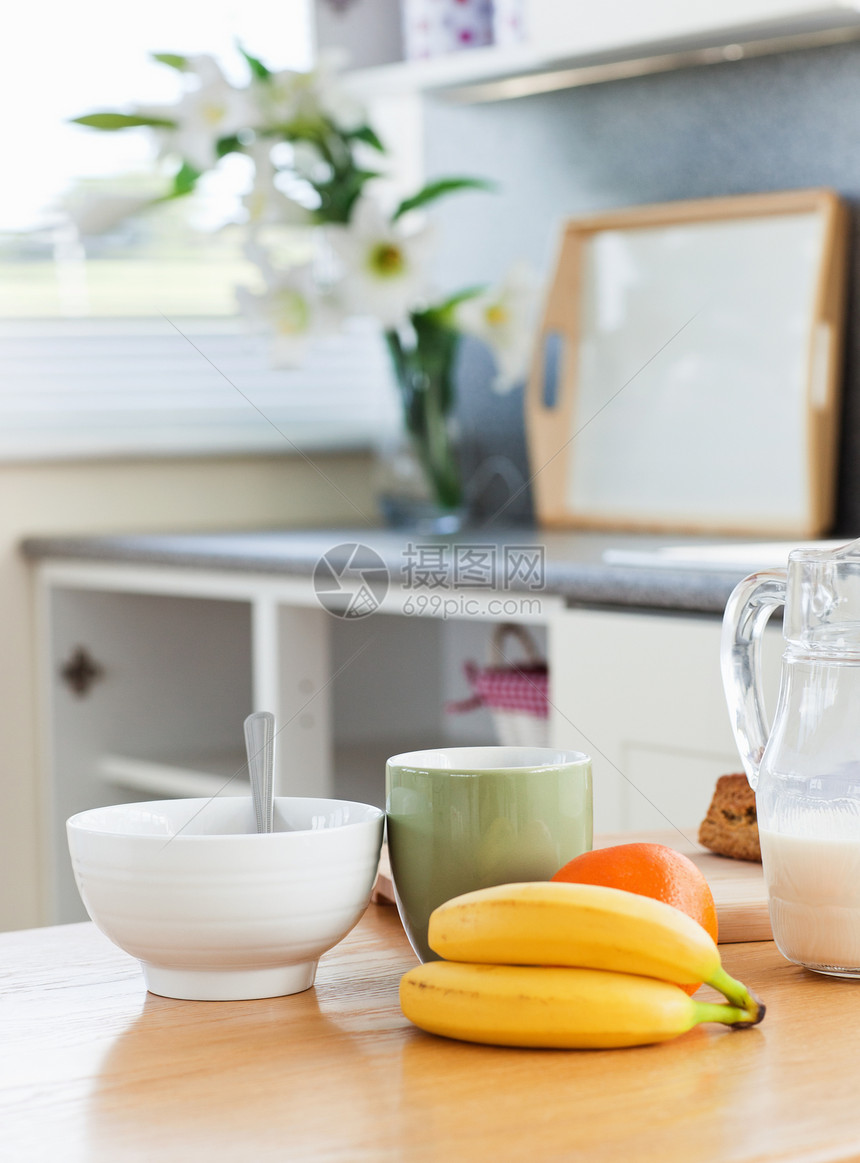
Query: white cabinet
[175,668]
[642,693]
[577,34]
[183,655]
[580,27]
[567,43]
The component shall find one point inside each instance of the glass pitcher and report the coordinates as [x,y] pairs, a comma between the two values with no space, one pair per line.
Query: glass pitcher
[806,772]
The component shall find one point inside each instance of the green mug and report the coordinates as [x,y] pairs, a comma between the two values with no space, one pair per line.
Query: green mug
[463,818]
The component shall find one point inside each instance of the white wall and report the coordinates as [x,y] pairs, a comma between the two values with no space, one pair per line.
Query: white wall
[123,497]
[782,122]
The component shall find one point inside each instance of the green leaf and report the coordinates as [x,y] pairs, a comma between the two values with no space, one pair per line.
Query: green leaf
[439,189]
[366,134]
[184,180]
[225,145]
[113,121]
[339,194]
[444,314]
[172,59]
[449,305]
[258,69]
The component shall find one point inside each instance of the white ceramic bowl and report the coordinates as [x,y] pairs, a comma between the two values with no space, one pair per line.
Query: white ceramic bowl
[215,912]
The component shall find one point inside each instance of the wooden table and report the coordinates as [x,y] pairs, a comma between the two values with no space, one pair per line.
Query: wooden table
[95,1070]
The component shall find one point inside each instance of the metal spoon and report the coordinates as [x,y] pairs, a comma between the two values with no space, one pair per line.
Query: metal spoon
[260,746]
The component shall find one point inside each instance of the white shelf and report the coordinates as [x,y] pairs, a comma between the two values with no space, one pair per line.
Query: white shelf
[359,771]
[210,775]
[360,767]
[461,68]
[567,54]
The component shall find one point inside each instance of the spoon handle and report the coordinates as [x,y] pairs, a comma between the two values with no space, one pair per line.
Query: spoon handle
[260,746]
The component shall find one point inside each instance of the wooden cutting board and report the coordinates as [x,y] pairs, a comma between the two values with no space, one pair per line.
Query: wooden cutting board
[737,885]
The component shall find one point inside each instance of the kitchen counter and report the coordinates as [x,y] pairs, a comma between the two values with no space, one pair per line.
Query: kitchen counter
[601,569]
[95,1070]
[154,649]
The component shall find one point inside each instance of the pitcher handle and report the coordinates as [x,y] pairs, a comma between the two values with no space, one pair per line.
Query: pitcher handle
[751,604]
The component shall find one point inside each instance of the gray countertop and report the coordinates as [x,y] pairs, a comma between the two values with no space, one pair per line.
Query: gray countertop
[644,571]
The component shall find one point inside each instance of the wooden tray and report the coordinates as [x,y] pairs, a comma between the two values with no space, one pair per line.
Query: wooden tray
[737,885]
[663,325]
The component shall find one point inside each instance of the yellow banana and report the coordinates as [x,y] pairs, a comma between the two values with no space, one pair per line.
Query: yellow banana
[584,925]
[515,1005]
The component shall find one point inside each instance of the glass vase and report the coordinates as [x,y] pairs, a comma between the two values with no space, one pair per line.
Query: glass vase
[423,485]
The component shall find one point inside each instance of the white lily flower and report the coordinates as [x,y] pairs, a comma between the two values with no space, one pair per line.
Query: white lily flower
[383,264]
[265,203]
[292,309]
[504,318]
[277,98]
[289,98]
[285,311]
[212,109]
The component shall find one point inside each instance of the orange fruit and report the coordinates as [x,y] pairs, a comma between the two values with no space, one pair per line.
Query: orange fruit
[649,870]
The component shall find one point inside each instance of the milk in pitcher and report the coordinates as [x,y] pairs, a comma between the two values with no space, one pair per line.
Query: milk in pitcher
[814,891]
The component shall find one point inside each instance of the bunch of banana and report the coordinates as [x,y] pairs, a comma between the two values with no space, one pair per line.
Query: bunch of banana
[568,965]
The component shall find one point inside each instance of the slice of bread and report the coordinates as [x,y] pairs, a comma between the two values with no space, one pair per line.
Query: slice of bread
[731,825]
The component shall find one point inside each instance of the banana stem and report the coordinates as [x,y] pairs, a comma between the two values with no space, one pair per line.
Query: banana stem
[728,1015]
[738,995]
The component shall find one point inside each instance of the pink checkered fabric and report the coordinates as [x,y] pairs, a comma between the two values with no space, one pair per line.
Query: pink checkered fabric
[504,688]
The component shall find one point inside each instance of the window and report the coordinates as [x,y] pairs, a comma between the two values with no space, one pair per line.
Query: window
[129,341]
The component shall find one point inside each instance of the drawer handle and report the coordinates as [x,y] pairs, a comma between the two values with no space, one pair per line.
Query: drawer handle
[80,671]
